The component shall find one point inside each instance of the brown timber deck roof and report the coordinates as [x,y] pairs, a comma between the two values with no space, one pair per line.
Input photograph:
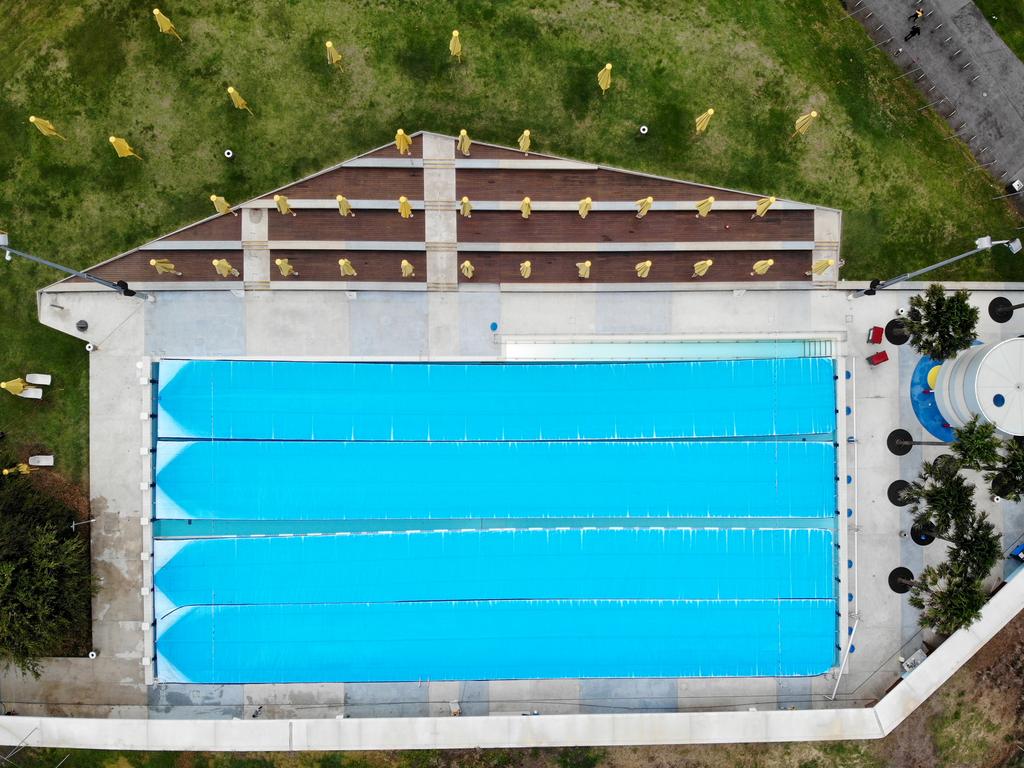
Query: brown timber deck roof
[496,239]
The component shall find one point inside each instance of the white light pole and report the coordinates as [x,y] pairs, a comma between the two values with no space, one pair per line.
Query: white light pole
[120,286]
[982,244]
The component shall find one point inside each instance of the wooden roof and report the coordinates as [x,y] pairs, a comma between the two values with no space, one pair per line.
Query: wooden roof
[496,239]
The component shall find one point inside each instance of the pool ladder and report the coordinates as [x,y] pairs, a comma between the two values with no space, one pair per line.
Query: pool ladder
[818,348]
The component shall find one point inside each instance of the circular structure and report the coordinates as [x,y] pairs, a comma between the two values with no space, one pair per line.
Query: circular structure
[82,326]
[986,380]
[899,580]
[228,154]
[896,332]
[899,442]
[643,130]
[895,492]
[923,535]
[1000,309]
[494,326]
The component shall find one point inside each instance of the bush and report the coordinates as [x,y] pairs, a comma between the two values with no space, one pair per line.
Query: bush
[45,582]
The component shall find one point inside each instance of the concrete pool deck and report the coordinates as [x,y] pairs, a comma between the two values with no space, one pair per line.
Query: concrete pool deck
[313,321]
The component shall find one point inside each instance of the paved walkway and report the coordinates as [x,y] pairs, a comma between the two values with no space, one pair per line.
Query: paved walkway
[966,67]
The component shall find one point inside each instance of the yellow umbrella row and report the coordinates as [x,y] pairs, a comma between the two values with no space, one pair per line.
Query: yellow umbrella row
[643,268]
[643,206]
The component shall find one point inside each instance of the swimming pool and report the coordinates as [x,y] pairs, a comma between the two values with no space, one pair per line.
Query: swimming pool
[483,521]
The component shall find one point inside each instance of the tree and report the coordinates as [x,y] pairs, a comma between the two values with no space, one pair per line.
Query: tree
[1007,477]
[948,598]
[977,446]
[941,498]
[976,545]
[941,325]
[45,582]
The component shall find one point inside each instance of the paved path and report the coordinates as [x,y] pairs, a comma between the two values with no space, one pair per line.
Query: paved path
[983,102]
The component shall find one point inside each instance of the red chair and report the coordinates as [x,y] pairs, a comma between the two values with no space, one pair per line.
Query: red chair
[876,334]
[878,358]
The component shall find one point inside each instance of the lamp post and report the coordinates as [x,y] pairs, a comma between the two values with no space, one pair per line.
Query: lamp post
[982,244]
[120,285]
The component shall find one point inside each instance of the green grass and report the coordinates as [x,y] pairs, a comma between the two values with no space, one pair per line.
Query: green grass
[97,68]
[1006,18]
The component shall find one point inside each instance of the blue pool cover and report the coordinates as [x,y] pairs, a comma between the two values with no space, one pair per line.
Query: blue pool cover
[344,481]
[640,467]
[258,400]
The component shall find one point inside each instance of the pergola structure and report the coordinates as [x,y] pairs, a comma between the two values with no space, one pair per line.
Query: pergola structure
[496,239]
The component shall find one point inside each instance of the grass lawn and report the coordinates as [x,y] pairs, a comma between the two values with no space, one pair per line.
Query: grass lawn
[99,68]
[1006,18]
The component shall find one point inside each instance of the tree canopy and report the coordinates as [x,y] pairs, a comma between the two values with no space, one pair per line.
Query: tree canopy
[977,446]
[941,324]
[45,581]
[948,598]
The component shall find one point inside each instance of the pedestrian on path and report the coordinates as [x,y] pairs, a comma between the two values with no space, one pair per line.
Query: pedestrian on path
[914,32]
[916,15]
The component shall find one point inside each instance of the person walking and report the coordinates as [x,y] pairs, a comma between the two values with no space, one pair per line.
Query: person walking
[917,15]
[914,32]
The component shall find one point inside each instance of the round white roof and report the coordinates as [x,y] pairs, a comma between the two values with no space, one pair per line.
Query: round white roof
[999,385]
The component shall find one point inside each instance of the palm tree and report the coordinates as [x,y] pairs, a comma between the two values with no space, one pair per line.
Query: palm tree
[1007,477]
[977,446]
[942,324]
[976,545]
[941,498]
[948,598]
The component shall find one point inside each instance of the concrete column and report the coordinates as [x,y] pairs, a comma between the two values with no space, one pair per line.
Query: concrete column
[441,226]
[255,251]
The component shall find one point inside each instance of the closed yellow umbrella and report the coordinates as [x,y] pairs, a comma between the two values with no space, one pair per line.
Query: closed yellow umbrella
[820,266]
[165,25]
[122,147]
[804,122]
[14,386]
[403,142]
[224,268]
[45,127]
[703,120]
[221,205]
[237,100]
[164,267]
[526,207]
[407,269]
[404,209]
[524,142]
[20,468]
[465,208]
[643,206]
[604,79]
[344,207]
[467,269]
[760,267]
[347,270]
[583,269]
[283,206]
[704,206]
[286,268]
[701,268]
[585,205]
[643,269]
[455,45]
[333,57]
[525,269]
[762,207]
[464,142]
